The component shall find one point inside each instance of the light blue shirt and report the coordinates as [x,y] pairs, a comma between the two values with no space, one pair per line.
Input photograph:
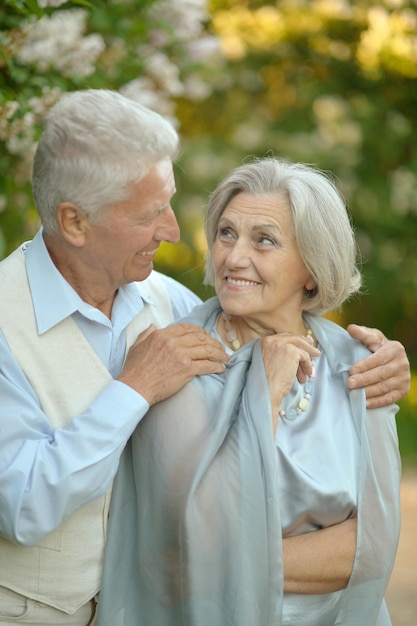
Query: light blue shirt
[40,465]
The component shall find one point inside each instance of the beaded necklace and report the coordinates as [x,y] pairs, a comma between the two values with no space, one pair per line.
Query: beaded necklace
[230,333]
[303,403]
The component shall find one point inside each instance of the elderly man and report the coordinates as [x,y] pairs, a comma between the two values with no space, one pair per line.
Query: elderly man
[87,345]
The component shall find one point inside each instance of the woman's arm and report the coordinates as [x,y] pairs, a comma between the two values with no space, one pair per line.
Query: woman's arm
[320,561]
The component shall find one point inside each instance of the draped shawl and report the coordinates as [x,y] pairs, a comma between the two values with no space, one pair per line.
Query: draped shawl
[195,535]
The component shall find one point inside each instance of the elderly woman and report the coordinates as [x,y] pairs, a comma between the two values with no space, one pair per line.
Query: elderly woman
[267,495]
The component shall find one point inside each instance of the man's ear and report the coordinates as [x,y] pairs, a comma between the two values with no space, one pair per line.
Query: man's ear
[73,223]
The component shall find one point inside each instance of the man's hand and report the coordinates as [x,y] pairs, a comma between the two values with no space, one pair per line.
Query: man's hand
[385,375]
[161,362]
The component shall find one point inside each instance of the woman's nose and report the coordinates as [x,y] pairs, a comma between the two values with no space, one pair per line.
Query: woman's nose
[239,255]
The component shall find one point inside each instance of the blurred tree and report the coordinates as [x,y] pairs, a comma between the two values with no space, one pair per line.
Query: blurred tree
[330,82]
[334,83]
[153,51]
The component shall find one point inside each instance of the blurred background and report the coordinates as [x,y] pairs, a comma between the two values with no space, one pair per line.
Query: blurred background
[328,82]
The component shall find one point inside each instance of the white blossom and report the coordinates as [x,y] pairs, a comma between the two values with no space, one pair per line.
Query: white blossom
[18,133]
[335,124]
[202,49]
[20,137]
[41,105]
[142,90]
[164,73]
[403,191]
[50,3]
[195,88]
[58,42]
[7,110]
[250,135]
[186,17]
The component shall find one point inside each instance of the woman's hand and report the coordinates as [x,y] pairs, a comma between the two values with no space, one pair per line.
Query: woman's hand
[385,375]
[286,356]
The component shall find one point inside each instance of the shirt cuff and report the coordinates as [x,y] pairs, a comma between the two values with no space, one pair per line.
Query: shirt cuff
[121,407]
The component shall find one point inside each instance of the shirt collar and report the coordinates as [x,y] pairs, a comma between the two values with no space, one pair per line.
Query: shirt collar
[53,297]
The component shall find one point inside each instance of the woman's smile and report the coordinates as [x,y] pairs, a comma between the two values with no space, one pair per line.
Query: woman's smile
[235,283]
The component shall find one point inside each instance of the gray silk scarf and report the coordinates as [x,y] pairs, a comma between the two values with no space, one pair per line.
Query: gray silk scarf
[195,534]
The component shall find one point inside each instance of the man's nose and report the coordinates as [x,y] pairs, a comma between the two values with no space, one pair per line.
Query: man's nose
[168,228]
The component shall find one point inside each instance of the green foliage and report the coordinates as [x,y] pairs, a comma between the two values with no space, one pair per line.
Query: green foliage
[407,434]
[47,51]
[332,84]
[328,83]
[14,10]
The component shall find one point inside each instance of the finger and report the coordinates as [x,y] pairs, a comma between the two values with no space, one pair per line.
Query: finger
[200,367]
[387,354]
[186,329]
[145,333]
[369,365]
[381,395]
[195,336]
[196,352]
[390,361]
[310,349]
[372,338]
[305,368]
[298,341]
[378,383]
[190,341]
[366,373]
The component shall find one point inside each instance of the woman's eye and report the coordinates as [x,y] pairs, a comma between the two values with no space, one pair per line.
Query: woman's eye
[224,233]
[265,240]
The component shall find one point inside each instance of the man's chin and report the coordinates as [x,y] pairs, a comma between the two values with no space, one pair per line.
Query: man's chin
[144,272]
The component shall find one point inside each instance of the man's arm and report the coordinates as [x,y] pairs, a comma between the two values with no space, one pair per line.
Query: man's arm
[385,375]
[46,474]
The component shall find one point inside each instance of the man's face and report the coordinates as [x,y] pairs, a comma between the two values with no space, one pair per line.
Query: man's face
[124,245]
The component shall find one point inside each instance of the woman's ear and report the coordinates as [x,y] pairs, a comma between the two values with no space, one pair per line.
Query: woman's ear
[311,284]
[73,223]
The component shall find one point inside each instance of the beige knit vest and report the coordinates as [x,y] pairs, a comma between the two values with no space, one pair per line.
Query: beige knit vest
[64,570]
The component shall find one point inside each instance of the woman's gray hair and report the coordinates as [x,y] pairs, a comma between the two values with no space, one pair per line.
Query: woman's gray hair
[321,224]
[95,144]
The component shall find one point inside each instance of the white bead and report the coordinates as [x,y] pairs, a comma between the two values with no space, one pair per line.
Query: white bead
[303,404]
[235,344]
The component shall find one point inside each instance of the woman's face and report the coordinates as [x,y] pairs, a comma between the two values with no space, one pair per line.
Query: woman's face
[259,273]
